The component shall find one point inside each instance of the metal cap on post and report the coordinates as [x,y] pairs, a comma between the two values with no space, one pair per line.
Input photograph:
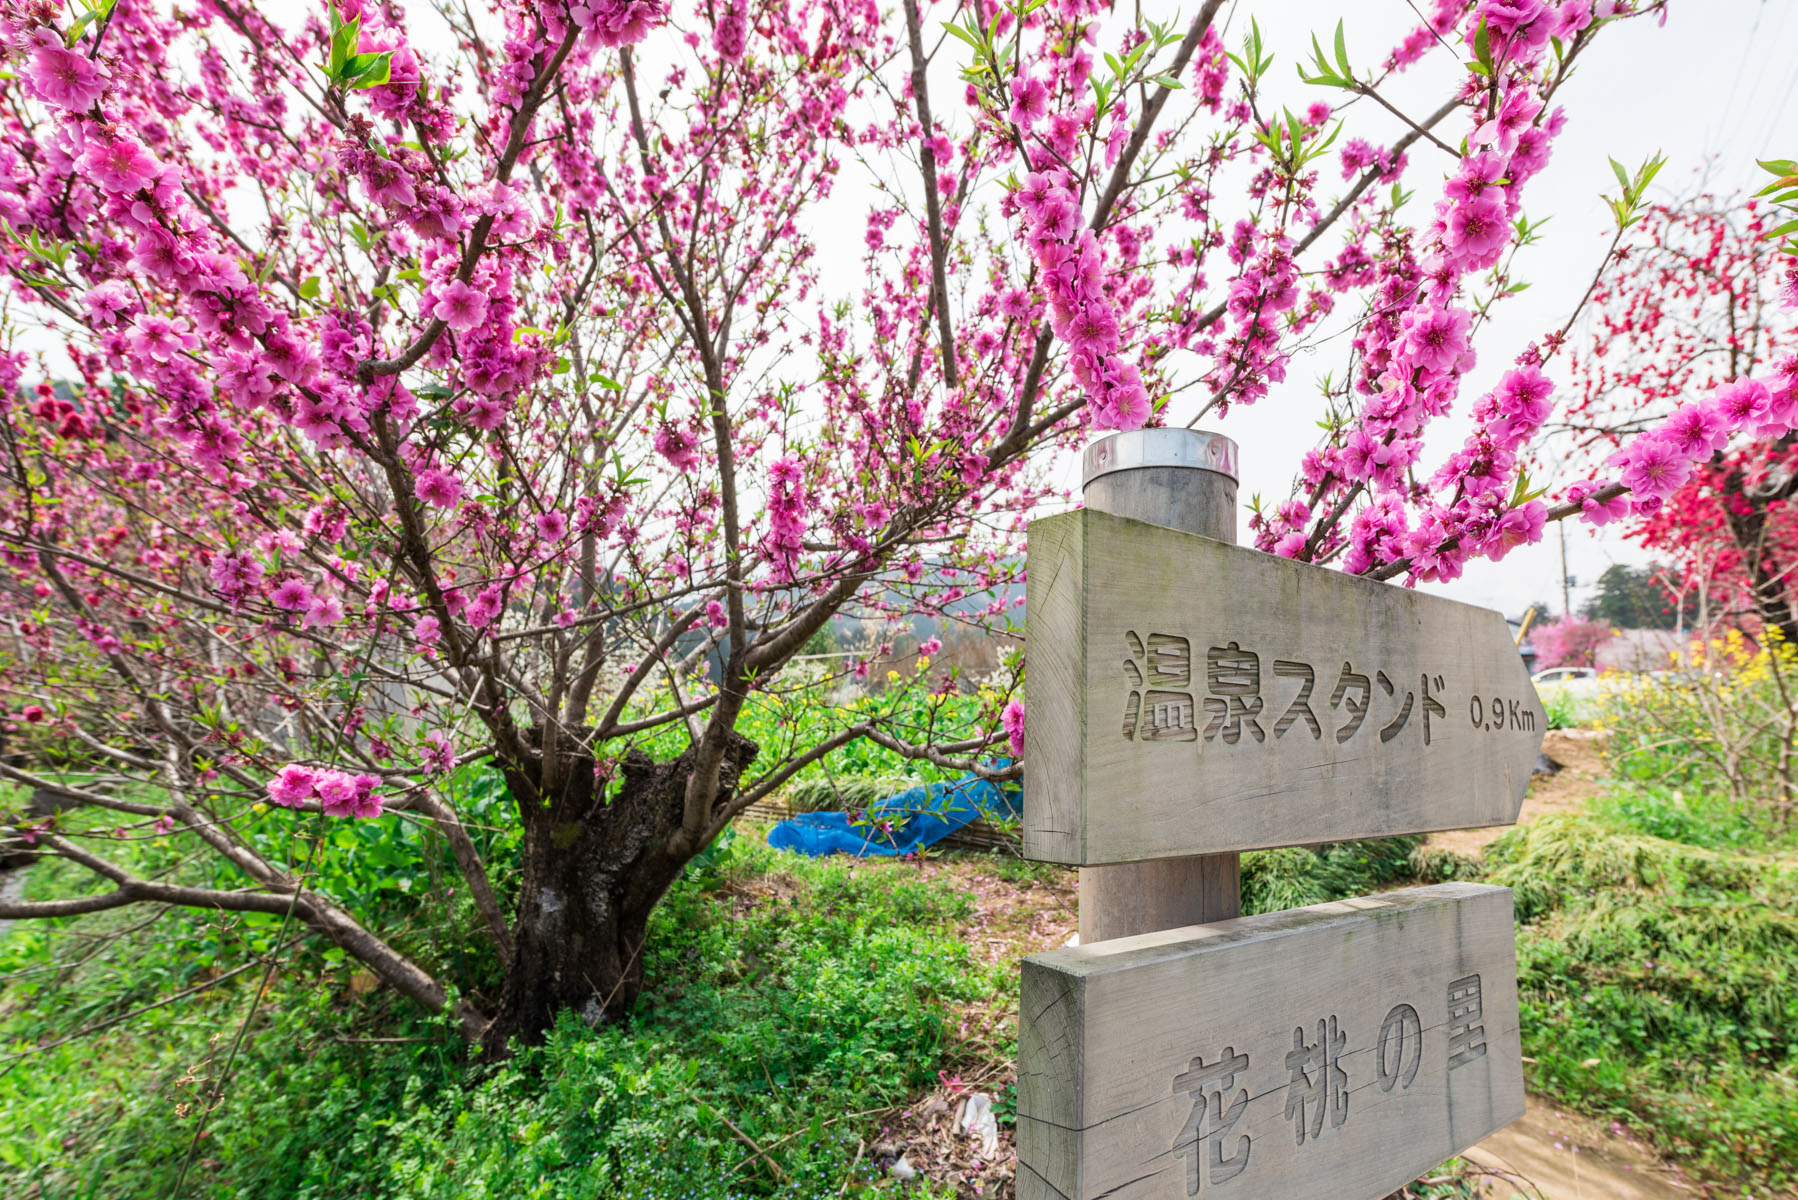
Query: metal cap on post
[1184,479]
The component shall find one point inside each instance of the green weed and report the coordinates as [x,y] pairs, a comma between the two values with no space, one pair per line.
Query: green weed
[1294,877]
[1659,985]
[793,999]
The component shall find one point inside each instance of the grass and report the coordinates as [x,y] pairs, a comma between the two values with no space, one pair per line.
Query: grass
[1659,986]
[791,1002]
[1295,876]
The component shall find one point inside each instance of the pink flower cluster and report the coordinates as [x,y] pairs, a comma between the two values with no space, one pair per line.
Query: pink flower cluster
[678,444]
[437,755]
[62,77]
[1013,720]
[1072,267]
[1655,464]
[731,35]
[338,793]
[617,22]
[1415,347]
[1261,296]
[786,518]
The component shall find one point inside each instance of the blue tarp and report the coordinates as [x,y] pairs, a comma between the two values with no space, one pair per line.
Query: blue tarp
[901,824]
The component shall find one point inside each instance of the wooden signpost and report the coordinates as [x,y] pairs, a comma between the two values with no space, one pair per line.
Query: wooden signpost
[1338,1051]
[1189,699]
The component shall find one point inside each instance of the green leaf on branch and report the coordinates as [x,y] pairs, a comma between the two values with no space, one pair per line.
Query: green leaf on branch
[1522,494]
[1482,49]
[1253,64]
[964,35]
[1627,206]
[370,70]
[345,37]
[1341,75]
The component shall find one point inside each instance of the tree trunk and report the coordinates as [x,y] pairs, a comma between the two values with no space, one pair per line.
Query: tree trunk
[592,872]
[1769,590]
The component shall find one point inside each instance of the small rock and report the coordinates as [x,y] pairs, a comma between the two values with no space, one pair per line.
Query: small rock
[902,1169]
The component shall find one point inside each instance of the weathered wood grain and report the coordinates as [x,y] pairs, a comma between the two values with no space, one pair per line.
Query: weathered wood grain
[1189,697]
[1124,899]
[1162,893]
[1120,1042]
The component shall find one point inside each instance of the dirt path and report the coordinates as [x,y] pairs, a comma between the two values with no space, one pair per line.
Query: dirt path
[1552,1155]
[1582,765]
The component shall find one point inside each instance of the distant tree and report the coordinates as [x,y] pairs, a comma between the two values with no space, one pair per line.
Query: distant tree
[1638,598]
[1570,642]
[1702,305]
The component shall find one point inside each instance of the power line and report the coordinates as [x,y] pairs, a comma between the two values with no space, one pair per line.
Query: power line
[1778,115]
[1768,60]
[1736,84]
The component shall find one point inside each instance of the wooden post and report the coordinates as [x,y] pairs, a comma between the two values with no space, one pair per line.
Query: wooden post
[1184,479]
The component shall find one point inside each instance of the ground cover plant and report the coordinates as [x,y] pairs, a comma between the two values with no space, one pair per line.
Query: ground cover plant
[796,1000]
[1659,982]
[807,1002]
[804,1002]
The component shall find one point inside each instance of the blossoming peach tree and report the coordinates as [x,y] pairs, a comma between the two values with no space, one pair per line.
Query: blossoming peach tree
[530,383]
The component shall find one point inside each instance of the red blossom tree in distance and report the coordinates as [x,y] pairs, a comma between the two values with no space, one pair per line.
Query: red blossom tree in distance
[1695,303]
[371,408]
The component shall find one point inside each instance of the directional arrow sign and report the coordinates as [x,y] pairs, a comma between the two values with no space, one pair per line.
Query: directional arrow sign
[1338,1051]
[1189,697]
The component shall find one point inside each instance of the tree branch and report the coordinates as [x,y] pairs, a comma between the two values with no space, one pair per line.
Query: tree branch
[933,204]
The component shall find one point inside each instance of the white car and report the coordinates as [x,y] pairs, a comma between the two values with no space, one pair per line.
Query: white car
[1564,675]
[1576,686]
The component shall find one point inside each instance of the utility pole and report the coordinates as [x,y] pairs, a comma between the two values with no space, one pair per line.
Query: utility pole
[1566,582]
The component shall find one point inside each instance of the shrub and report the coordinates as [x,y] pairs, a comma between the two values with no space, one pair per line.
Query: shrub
[1724,721]
[1659,985]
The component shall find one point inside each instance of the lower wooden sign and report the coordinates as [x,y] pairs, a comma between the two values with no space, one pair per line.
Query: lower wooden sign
[1341,1050]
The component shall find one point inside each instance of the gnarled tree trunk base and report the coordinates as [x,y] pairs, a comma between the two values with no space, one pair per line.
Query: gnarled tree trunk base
[592,873]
